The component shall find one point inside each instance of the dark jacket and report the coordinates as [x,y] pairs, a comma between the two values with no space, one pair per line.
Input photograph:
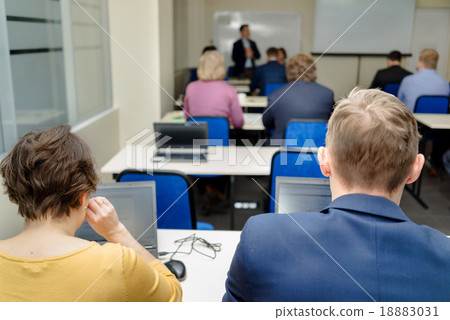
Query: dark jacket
[394,74]
[238,56]
[271,72]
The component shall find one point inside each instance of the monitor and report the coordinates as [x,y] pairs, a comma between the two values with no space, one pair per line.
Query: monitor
[182,134]
[296,194]
[135,204]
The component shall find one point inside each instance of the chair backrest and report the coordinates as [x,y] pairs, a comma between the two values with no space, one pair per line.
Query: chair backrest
[432,104]
[292,163]
[218,129]
[175,208]
[230,71]
[392,88]
[272,86]
[307,132]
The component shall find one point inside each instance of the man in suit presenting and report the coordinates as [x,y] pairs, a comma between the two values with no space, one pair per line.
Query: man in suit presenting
[245,52]
[361,247]
[394,73]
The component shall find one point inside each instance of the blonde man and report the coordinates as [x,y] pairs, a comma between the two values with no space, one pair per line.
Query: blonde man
[210,95]
[361,247]
[301,97]
[425,82]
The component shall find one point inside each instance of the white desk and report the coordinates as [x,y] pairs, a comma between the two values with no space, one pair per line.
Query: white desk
[247,102]
[230,161]
[434,121]
[252,121]
[205,278]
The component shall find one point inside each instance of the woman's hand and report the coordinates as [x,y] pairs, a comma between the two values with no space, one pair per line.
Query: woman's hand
[102,217]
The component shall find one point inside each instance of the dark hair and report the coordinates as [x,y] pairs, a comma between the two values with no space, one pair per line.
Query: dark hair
[208,48]
[272,52]
[283,51]
[395,56]
[48,170]
[242,27]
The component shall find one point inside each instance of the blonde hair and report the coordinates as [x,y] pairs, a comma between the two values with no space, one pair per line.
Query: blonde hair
[430,58]
[373,139]
[211,67]
[301,67]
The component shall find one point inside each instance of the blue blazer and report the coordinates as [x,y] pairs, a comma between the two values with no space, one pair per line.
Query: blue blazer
[271,72]
[359,248]
[308,100]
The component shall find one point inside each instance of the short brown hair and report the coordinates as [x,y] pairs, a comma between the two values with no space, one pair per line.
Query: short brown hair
[301,67]
[430,58]
[373,140]
[48,170]
[212,66]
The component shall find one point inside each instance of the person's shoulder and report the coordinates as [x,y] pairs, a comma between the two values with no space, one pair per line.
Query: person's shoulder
[322,88]
[237,42]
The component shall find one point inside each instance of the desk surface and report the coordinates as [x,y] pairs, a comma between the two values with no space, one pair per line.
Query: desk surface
[205,278]
[252,121]
[238,161]
[434,121]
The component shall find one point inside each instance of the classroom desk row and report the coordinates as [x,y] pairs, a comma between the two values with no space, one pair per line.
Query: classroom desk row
[205,277]
[252,121]
[245,102]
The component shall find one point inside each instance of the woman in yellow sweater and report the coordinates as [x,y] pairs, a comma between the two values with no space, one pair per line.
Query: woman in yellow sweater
[50,176]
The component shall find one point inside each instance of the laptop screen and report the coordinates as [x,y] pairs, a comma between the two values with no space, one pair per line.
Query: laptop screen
[294,194]
[135,204]
[182,134]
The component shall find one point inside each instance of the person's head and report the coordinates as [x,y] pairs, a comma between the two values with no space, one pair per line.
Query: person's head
[211,67]
[282,55]
[302,67]
[428,59]
[371,143]
[272,53]
[394,58]
[49,173]
[245,31]
[208,48]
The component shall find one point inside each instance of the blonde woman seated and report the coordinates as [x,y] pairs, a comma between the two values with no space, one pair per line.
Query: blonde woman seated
[210,95]
[50,176]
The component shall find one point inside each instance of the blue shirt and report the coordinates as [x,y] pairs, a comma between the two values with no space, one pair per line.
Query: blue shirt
[248,61]
[425,82]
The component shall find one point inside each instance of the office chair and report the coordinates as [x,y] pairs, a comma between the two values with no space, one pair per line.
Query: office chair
[292,163]
[218,129]
[432,104]
[392,88]
[307,133]
[271,87]
[175,205]
[230,72]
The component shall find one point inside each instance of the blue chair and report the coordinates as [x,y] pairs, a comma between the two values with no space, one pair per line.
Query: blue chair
[391,88]
[230,72]
[292,163]
[432,104]
[271,87]
[175,206]
[307,132]
[218,129]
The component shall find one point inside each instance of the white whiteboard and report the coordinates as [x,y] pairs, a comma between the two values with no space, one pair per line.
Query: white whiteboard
[386,26]
[267,29]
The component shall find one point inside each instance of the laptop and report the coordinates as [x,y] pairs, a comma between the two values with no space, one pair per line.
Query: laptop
[135,204]
[296,194]
[183,136]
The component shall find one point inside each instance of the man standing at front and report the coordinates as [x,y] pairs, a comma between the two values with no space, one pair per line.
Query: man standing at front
[361,247]
[244,54]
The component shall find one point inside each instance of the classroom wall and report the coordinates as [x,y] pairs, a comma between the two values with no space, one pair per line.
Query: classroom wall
[194,30]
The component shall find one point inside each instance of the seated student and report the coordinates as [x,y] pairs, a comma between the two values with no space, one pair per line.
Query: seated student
[301,97]
[394,73]
[211,96]
[271,72]
[361,247]
[193,73]
[50,176]
[425,82]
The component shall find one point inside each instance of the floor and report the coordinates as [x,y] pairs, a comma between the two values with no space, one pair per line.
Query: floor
[435,192]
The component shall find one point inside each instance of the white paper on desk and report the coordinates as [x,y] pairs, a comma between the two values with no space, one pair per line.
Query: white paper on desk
[251,117]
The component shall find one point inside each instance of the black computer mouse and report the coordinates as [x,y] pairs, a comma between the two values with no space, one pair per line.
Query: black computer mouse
[177,268]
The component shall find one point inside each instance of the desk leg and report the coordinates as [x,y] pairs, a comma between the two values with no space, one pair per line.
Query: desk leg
[232,179]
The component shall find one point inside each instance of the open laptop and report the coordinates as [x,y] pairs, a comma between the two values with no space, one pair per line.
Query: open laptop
[181,146]
[295,194]
[135,204]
